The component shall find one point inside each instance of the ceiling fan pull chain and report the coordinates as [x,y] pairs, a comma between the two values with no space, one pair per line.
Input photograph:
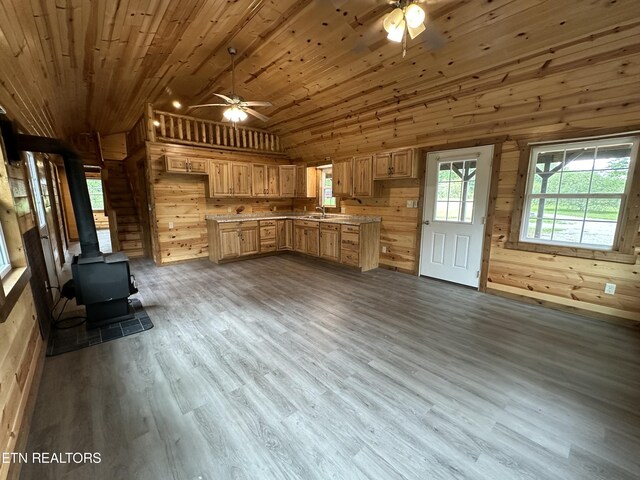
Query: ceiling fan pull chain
[404,45]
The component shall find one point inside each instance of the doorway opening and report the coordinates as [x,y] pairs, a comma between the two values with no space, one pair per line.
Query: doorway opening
[96,194]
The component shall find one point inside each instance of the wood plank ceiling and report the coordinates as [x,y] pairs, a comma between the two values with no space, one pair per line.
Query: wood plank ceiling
[70,66]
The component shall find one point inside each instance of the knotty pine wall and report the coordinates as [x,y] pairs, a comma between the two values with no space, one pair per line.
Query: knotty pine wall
[182,199]
[21,346]
[576,89]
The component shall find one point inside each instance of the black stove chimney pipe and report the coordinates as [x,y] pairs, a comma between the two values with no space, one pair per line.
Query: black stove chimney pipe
[77,181]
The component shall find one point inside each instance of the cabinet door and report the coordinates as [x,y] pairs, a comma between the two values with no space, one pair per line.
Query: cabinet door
[382,166]
[342,176]
[248,241]
[306,182]
[313,240]
[198,165]
[401,165]
[299,241]
[219,179]
[329,244]
[287,180]
[229,244]
[176,164]
[284,234]
[363,176]
[272,180]
[241,179]
[258,181]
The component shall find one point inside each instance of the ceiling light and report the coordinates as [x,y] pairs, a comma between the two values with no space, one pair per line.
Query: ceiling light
[397,32]
[415,31]
[156,123]
[176,104]
[392,20]
[235,114]
[414,14]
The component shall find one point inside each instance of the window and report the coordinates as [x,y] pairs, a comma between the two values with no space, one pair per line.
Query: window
[5,261]
[35,187]
[95,193]
[326,188]
[576,192]
[456,188]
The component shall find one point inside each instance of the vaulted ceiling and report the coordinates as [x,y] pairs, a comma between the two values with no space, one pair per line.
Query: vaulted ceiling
[70,66]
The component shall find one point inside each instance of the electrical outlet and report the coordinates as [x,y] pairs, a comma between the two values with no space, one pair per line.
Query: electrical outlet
[170,225]
[228,209]
[384,249]
[305,208]
[610,288]
[409,203]
[275,208]
[343,209]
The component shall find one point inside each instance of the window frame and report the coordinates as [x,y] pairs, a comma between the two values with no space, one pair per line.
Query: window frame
[323,171]
[629,217]
[5,259]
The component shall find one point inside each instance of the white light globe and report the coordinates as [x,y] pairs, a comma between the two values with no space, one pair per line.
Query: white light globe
[415,15]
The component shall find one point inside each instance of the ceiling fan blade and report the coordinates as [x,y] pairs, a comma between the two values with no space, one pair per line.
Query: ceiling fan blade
[262,117]
[257,104]
[224,97]
[209,105]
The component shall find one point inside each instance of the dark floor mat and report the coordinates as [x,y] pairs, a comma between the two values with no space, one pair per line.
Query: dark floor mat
[63,341]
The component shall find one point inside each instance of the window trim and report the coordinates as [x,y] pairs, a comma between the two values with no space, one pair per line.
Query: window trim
[5,268]
[628,223]
[323,169]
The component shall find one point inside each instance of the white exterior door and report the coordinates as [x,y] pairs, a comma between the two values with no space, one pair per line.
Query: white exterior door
[455,205]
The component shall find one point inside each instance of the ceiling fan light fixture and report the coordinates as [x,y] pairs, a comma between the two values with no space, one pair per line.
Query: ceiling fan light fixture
[392,20]
[397,32]
[235,114]
[414,15]
[415,31]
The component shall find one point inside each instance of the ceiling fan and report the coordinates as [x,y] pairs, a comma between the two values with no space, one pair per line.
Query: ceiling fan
[406,19]
[237,108]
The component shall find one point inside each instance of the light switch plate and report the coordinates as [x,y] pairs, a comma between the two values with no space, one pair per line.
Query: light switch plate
[610,288]
[170,225]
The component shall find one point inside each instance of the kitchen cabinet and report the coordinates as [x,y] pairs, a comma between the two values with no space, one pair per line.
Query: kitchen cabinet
[330,241]
[265,180]
[229,179]
[360,245]
[284,234]
[287,180]
[233,240]
[306,182]
[220,179]
[176,164]
[363,176]
[306,237]
[342,176]
[267,236]
[399,164]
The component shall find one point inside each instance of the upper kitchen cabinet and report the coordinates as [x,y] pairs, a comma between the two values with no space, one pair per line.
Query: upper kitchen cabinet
[265,180]
[229,179]
[342,176]
[178,164]
[288,180]
[399,164]
[306,183]
[363,176]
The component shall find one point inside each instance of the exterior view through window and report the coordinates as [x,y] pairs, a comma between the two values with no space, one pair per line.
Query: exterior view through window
[576,192]
[456,188]
[95,193]
[326,188]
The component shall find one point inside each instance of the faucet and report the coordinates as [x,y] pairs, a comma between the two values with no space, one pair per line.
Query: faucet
[323,209]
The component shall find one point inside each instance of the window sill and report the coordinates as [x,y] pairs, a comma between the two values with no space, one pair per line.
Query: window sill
[13,285]
[603,255]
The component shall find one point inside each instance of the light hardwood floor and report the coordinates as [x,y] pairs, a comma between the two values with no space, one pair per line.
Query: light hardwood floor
[286,368]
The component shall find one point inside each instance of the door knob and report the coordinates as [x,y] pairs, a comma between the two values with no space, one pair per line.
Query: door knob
[426,222]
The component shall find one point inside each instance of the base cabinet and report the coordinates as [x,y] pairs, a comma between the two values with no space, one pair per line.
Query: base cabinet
[284,234]
[353,245]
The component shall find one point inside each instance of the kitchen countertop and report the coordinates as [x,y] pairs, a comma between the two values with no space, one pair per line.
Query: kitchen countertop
[330,218]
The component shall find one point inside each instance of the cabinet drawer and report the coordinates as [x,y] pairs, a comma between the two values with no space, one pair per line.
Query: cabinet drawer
[334,227]
[306,223]
[351,229]
[267,232]
[350,241]
[198,165]
[268,246]
[267,223]
[350,258]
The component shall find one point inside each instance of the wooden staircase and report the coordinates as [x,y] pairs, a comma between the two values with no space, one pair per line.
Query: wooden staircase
[127,236]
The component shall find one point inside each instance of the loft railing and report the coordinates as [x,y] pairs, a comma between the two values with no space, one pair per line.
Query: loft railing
[160,126]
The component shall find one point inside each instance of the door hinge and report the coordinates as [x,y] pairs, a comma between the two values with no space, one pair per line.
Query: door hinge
[478,274]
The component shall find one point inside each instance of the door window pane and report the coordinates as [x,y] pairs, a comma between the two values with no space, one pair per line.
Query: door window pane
[455,191]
